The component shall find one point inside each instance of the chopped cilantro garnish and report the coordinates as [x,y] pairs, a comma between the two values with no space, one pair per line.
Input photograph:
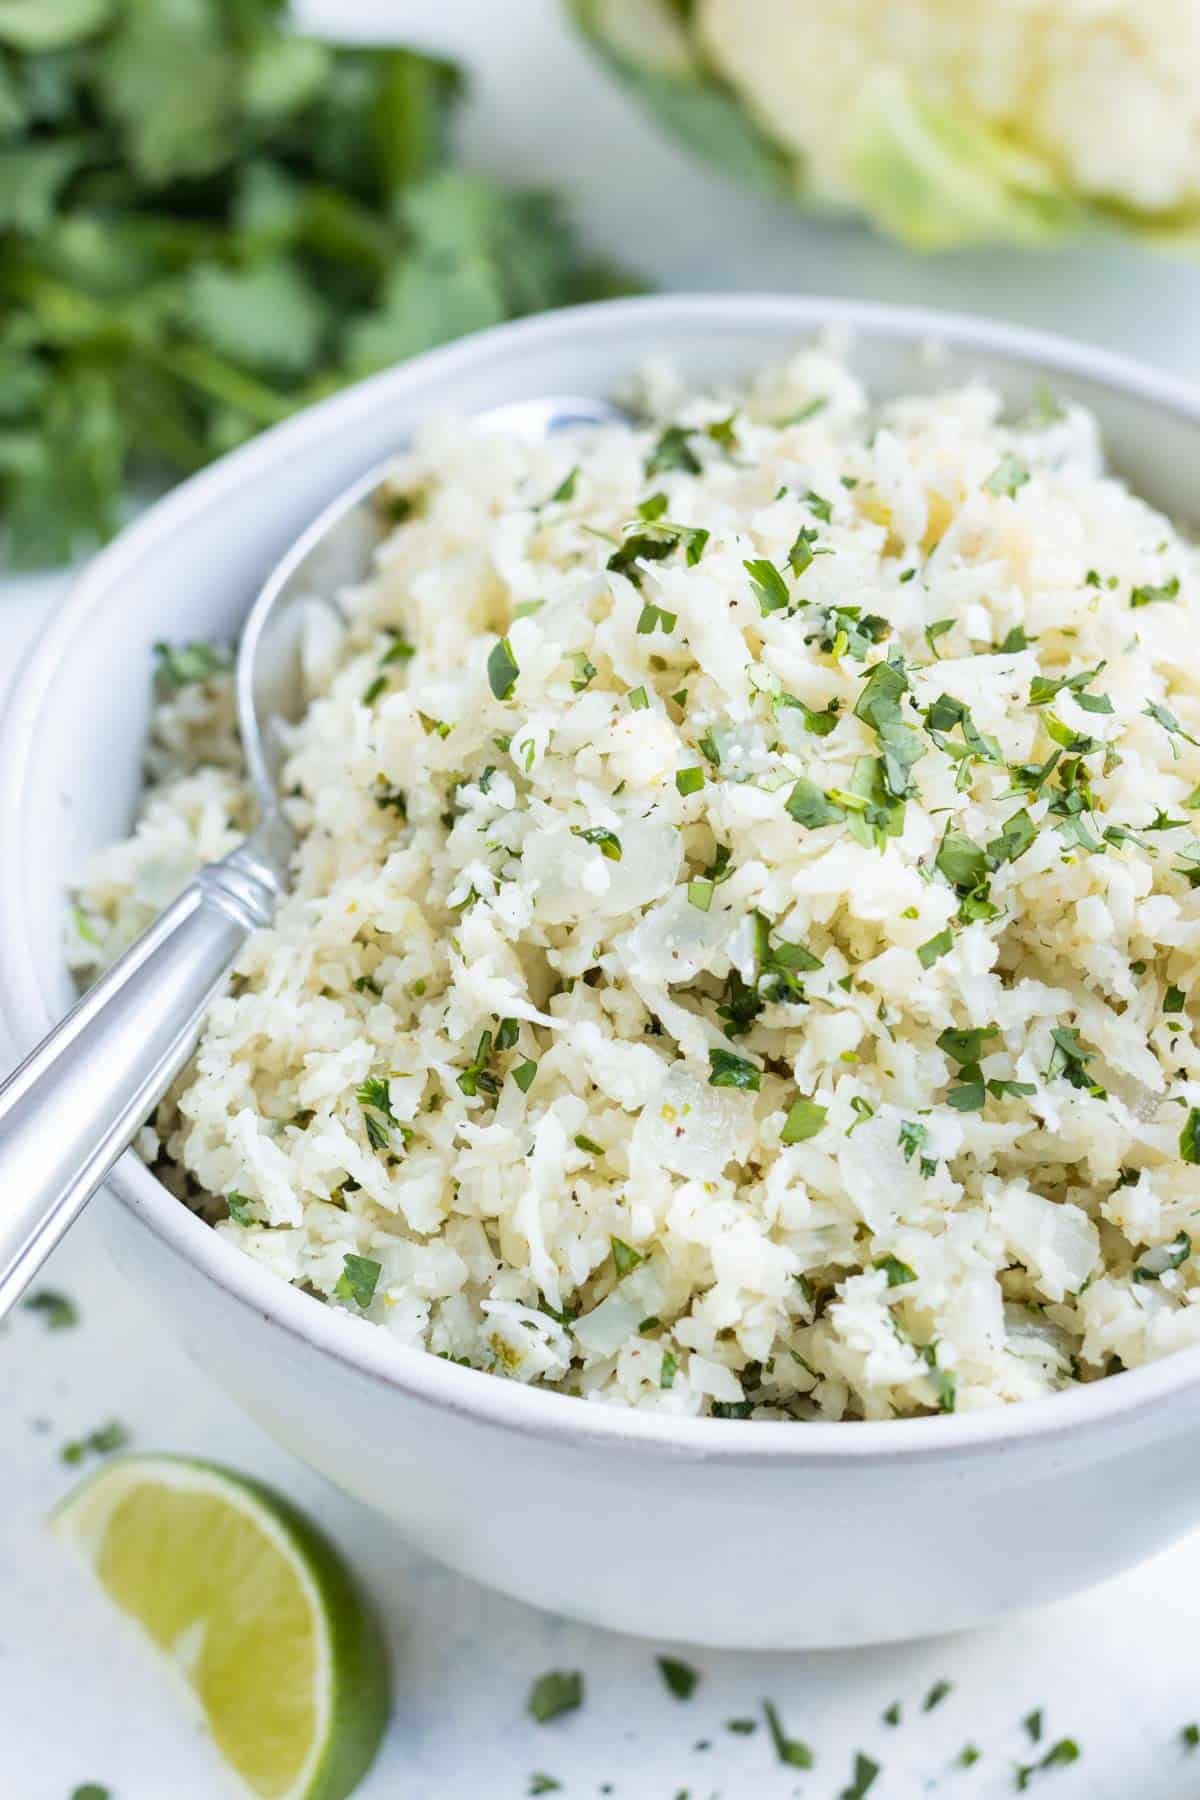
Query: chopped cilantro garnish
[936,1695]
[898,1273]
[668,1369]
[1147,595]
[742,1727]
[673,451]
[374,1096]
[607,842]
[1163,1257]
[1014,641]
[524,1073]
[862,1110]
[942,717]
[865,1771]
[770,589]
[653,507]
[700,894]
[1016,835]
[966,1046]
[240,1209]
[1077,742]
[358,1279]
[820,508]
[690,780]
[566,487]
[180,665]
[585,671]
[639,700]
[625,1257]
[961,861]
[791,1751]
[912,1137]
[1174,1000]
[1058,1756]
[809,806]
[373,690]
[1007,477]
[540,1783]
[1045,688]
[655,543]
[477,1078]
[935,947]
[56,1309]
[801,554]
[680,1677]
[933,632]
[848,631]
[878,706]
[892,1715]
[588,1145]
[1189,1137]
[819,723]
[1069,1058]
[101,1442]
[968,1756]
[401,650]
[1033,1725]
[805,1118]
[945,1387]
[558,1691]
[393,799]
[655,618]
[502,669]
[728,1070]
[1162,715]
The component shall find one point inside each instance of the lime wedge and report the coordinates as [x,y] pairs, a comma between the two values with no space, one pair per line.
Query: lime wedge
[252,1606]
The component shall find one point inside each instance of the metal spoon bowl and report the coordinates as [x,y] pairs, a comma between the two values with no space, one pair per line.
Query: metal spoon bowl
[78,1100]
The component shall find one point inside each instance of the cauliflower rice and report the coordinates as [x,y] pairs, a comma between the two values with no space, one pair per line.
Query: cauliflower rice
[745,928]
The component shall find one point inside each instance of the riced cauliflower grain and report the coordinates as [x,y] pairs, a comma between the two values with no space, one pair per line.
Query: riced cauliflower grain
[744,943]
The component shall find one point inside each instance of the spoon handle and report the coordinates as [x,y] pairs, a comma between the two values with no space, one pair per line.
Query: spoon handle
[78,1100]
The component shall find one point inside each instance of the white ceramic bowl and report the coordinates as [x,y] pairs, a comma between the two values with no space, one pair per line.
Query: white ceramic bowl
[712,1531]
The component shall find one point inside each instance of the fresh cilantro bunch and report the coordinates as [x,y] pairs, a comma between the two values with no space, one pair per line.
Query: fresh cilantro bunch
[207,221]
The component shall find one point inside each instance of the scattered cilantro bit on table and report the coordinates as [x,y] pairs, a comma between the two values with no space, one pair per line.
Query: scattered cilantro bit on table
[792,1751]
[558,1691]
[101,1442]
[936,1695]
[865,1771]
[1059,1755]
[58,1311]
[680,1677]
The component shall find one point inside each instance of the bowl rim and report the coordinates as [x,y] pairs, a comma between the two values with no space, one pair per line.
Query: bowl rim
[1138,1395]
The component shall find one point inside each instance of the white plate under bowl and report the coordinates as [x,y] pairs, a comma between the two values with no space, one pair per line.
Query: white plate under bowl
[713,1531]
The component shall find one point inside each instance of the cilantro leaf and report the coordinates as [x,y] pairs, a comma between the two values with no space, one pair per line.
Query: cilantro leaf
[770,589]
[358,1279]
[556,1692]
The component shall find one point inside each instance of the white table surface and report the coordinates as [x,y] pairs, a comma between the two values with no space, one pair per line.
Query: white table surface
[80,1696]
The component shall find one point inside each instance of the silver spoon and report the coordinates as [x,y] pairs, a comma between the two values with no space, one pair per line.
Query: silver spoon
[78,1100]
